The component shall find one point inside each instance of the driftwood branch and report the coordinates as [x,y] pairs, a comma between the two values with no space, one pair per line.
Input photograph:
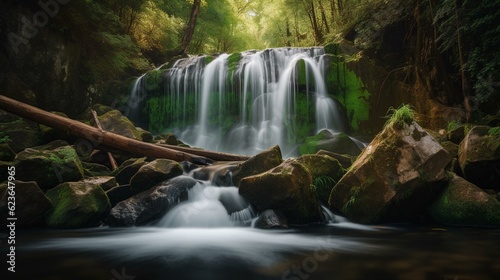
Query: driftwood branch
[95,136]
[111,159]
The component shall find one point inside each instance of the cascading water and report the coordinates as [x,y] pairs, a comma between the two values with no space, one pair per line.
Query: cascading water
[247,102]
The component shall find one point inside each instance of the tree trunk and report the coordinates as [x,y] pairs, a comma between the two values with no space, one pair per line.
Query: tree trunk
[105,138]
[188,33]
[465,83]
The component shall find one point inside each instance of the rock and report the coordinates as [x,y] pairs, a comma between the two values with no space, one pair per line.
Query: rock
[154,172]
[479,157]
[31,203]
[128,169]
[394,179]
[257,164]
[151,204]
[6,153]
[95,169]
[51,134]
[168,138]
[100,110]
[20,134]
[76,204]
[344,160]
[464,204]
[271,219]
[333,142]
[106,182]
[286,188]
[115,122]
[325,171]
[451,148]
[119,193]
[48,167]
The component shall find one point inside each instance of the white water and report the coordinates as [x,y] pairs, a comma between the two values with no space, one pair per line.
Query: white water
[253,105]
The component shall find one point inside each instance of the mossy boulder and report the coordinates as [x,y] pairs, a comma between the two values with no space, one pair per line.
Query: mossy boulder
[463,203]
[154,172]
[76,204]
[95,169]
[479,157]
[106,182]
[128,169]
[20,134]
[115,122]
[325,171]
[31,203]
[287,188]
[6,153]
[100,110]
[395,178]
[257,164]
[344,160]
[151,204]
[329,141]
[456,134]
[49,167]
[51,134]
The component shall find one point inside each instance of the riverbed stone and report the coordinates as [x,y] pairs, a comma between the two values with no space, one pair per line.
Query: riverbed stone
[152,173]
[271,219]
[395,178]
[479,157]
[257,164]
[151,204]
[287,188]
[77,204]
[329,141]
[48,167]
[325,171]
[30,200]
[464,204]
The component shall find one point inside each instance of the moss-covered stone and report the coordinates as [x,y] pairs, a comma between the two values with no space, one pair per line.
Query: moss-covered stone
[464,204]
[128,169]
[479,157]
[76,204]
[19,133]
[31,201]
[286,188]
[6,153]
[329,141]
[49,167]
[154,172]
[257,164]
[115,122]
[325,171]
[394,179]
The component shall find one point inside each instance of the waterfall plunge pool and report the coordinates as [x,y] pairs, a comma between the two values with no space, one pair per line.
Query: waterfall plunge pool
[334,251]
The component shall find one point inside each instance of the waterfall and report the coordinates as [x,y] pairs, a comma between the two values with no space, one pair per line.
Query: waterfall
[248,101]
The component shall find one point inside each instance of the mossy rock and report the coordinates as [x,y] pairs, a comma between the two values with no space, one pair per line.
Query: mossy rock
[128,169]
[6,153]
[114,121]
[154,172]
[106,182]
[49,167]
[76,204]
[257,164]
[479,157]
[344,160]
[464,204]
[31,201]
[100,110]
[334,142]
[325,171]
[286,188]
[51,134]
[95,169]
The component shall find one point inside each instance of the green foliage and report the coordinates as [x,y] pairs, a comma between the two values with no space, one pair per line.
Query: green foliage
[453,125]
[4,139]
[494,131]
[323,181]
[401,117]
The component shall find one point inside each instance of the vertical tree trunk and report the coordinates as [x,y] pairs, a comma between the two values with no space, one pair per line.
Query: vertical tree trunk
[188,33]
[465,83]
[323,17]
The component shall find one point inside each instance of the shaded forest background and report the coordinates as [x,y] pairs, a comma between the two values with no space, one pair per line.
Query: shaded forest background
[447,50]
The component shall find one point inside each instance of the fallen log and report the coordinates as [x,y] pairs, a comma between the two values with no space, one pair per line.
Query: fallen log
[96,136]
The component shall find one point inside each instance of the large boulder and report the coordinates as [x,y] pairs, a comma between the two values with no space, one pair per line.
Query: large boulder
[287,188]
[257,164]
[76,204]
[114,121]
[326,140]
[344,160]
[19,133]
[48,167]
[154,172]
[128,169]
[479,157]
[151,204]
[30,200]
[464,204]
[394,179]
[325,171]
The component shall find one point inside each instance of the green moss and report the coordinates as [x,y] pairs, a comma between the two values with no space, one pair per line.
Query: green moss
[232,62]
[208,59]
[348,89]
[494,131]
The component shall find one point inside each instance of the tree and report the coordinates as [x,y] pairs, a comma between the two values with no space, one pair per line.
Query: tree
[188,33]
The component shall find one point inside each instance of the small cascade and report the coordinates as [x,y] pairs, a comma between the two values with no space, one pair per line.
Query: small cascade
[248,101]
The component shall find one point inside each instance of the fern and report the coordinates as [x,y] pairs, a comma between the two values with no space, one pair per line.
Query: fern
[401,117]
